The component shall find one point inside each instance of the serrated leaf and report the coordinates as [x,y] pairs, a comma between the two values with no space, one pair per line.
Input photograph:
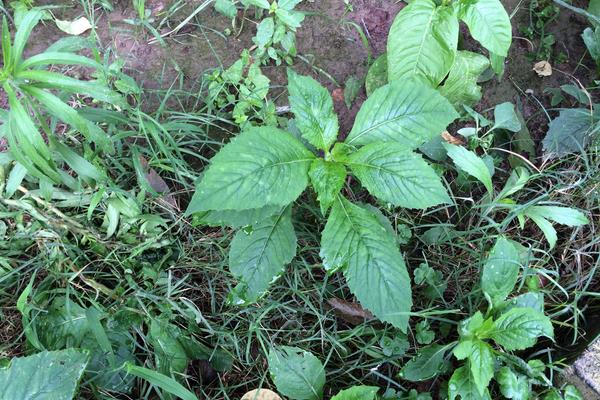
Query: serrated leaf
[427,364]
[355,239]
[512,386]
[533,300]
[357,393]
[396,175]
[377,75]
[481,363]
[470,163]
[297,374]
[259,257]
[235,218]
[46,375]
[462,386]
[489,24]
[292,19]
[505,117]
[327,179]
[501,271]
[519,328]
[422,42]
[407,112]
[570,132]
[460,87]
[262,166]
[312,105]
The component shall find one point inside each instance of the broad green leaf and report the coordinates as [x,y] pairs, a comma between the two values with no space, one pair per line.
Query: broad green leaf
[489,24]
[164,382]
[226,7]
[355,240]
[235,218]
[422,42]
[594,9]
[264,32]
[258,258]
[357,393]
[561,215]
[327,178]
[261,166]
[591,38]
[512,386]
[460,87]
[288,4]
[577,93]
[258,3]
[377,74]
[407,112]
[470,163]
[313,107]
[505,117]
[481,362]
[171,359]
[501,271]
[427,364]
[49,375]
[397,175]
[297,374]
[533,300]
[462,386]
[519,328]
[498,64]
[292,19]
[570,132]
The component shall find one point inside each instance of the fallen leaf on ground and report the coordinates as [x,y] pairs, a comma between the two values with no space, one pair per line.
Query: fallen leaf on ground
[261,394]
[338,95]
[543,68]
[352,313]
[75,27]
[157,183]
[452,139]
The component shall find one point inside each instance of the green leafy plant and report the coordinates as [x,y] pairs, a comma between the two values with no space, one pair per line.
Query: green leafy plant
[254,179]
[244,88]
[487,340]
[48,374]
[275,37]
[423,43]
[32,141]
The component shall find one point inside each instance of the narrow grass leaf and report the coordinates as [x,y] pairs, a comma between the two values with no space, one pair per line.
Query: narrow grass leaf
[167,384]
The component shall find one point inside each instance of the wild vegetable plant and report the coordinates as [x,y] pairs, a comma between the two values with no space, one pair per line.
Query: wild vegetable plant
[423,44]
[275,37]
[487,339]
[253,181]
[32,140]
[245,87]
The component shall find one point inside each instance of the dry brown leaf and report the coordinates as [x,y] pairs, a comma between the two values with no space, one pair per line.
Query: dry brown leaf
[452,139]
[158,184]
[338,95]
[352,313]
[543,68]
[261,394]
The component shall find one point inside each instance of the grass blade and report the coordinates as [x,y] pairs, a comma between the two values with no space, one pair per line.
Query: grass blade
[162,381]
